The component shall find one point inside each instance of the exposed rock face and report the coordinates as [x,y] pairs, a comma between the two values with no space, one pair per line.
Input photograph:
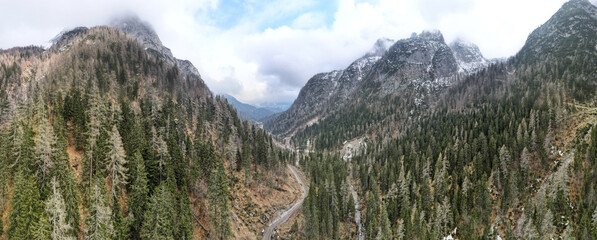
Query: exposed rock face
[144,32]
[327,90]
[573,27]
[423,63]
[468,56]
[380,48]
[422,59]
[133,26]
[311,102]
[64,37]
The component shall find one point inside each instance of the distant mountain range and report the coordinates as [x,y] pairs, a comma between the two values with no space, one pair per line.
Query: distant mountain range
[254,113]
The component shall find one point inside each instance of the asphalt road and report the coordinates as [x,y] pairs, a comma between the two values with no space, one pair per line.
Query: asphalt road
[286,215]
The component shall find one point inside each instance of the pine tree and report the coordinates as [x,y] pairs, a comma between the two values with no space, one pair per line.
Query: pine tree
[65,175]
[56,212]
[185,216]
[525,164]
[99,222]
[19,148]
[482,199]
[17,135]
[42,229]
[218,203]
[547,227]
[70,193]
[45,142]
[400,230]
[74,111]
[547,141]
[373,211]
[122,226]
[26,208]
[350,208]
[311,213]
[334,209]
[512,197]
[404,195]
[95,117]
[238,161]
[505,161]
[126,230]
[117,171]
[177,160]
[442,215]
[207,159]
[28,153]
[158,223]
[162,156]
[386,230]
[138,191]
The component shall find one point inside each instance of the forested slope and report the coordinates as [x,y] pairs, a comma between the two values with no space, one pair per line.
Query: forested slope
[508,151]
[103,139]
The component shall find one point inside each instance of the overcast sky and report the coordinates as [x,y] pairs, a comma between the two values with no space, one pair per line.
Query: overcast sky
[264,51]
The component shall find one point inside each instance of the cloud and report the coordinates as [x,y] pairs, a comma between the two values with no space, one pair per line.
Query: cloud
[309,20]
[265,51]
[434,10]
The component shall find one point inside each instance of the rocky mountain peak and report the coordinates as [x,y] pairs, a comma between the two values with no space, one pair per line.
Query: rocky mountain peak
[146,35]
[144,32]
[426,51]
[65,36]
[574,26]
[380,47]
[431,35]
[574,4]
[469,57]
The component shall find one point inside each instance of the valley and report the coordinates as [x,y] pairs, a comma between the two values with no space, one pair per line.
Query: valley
[287,213]
[105,134]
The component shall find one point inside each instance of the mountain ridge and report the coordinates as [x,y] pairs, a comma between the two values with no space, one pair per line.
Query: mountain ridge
[105,109]
[573,24]
[330,87]
[248,111]
[423,61]
[416,71]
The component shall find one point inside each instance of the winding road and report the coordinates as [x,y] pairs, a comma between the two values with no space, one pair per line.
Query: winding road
[286,215]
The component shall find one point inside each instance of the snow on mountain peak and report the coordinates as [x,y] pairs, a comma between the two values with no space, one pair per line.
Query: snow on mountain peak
[380,47]
[146,35]
[468,56]
[433,35]
[143,31]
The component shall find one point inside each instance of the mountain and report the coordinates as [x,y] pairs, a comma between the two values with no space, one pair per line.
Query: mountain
[570,32]
[324,90]
[146,35]
[568,38]
[106,133]
[424,60]
[468,56]
[276,107]
[502,151]
[411,69]
[380,47]
[249,112]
